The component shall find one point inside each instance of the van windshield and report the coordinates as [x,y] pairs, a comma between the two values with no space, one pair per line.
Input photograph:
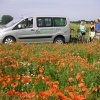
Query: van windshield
[11,23]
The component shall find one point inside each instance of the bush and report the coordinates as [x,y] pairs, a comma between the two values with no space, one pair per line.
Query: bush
[6,19]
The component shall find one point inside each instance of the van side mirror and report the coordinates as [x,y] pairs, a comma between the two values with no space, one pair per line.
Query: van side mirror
[19,26]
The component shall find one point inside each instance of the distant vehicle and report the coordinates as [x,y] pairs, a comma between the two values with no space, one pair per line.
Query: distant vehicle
[37,29]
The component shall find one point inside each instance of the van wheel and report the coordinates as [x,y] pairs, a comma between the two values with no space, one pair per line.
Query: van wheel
[9,40]
[59,40]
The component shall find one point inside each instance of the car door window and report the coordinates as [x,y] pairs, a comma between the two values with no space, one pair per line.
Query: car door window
[48,22]
[26,23]
[44,22]
[40,22]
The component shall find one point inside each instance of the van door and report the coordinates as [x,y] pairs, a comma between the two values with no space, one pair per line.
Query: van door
[45,29]
[24,31]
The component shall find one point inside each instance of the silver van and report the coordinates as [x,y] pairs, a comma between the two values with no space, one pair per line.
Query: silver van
[37,29]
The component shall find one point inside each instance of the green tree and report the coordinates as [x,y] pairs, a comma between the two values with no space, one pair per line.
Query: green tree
[6,19]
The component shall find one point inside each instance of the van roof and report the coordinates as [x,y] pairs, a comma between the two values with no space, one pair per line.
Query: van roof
[43,16]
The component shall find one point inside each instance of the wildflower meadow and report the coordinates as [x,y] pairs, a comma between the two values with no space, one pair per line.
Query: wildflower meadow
[50,72]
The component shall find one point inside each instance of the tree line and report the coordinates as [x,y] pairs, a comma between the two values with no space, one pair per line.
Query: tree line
[6,19]
[78,22]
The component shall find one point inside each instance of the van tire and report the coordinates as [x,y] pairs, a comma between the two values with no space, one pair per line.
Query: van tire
[59,40]
[9,40]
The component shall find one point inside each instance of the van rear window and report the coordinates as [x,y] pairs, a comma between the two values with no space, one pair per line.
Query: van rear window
[59,22]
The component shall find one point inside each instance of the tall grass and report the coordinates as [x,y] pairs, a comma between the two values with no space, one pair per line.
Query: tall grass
[75,29]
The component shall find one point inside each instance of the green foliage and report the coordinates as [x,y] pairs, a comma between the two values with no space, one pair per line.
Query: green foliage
[6,19]
[76,31]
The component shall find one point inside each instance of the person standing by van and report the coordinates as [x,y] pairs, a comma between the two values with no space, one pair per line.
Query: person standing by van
[82,30]
[91,31]
[97,28]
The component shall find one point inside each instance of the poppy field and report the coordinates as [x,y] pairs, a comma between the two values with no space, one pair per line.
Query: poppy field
[50,72]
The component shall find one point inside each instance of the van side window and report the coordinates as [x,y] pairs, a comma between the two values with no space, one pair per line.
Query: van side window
[26,23]
[44,22]
[59,22]
[48,22]
[40,22]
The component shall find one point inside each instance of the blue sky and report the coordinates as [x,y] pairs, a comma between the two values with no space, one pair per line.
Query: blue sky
[74,9]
